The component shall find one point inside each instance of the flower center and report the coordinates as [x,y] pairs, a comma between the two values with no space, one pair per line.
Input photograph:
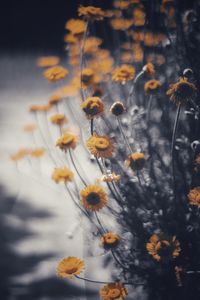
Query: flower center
[101,144]
[70,269]
[114,293]
[93,198]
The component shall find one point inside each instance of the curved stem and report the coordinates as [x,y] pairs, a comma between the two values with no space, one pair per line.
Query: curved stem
[124,136]
[74,165]
[172,147]
[106,282]
[99,222]
[81,60]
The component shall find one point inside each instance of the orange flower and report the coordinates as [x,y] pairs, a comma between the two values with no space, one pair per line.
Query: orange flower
[70,266]
[136,161]
[87,76]
[91,13]
[182,91]
[100,146]
[110,240]
[55,98]
[115,290]
[38,152]
[149,69]
[138,17]
[35,108]
[67,141]
[161,248]
[55,73]
[121,24]
[194,196]
[152,85]
[58,119]
[91,45]
[93,197]
[47,61]
[93,107]
[112,177]
[123,73]
[62,174]
[76,27]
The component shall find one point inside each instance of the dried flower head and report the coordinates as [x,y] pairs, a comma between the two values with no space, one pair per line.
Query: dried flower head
[110,177]
[87,76]
[47,61]
[93,107]
[110,240]
[182,91]
[93,197]
[76,27]
[117,108]
[91,13]
[38,152]
[123,73]
[100,146]
[58,119]
[115,290]
[149,69]
[136,161]
[70,266]
[67,141]
[151,86]
[62,175]
[194,196]
[55,73]
[163,249]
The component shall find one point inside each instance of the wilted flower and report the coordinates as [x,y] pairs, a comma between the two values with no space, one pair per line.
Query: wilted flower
[182,91]
[110,240]
[67,141]
[136,161]
[93,107]
[47,61]
[70,266]
[163,249]
[152,86]
[123,73]
[100,146]
[117,108]
[93,197]
[115,290]
[55,73]
[149,69]
[62,174]
[110,177]
[194,196]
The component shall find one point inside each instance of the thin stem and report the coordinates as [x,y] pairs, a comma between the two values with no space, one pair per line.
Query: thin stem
[148,113]
[74,165]
[118,261]
[99,222]
[106,282]
[172,147]
[133,87]
[81,60]
[123,134]
[92,126]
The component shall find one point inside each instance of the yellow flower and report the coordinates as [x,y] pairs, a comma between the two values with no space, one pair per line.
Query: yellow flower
[55,73]
[35,108]
[87,76]
[91,45]
[152,85]
[93,197]
[55,98]
[93,107]
[136,161]
[47,61]
[38,152]
[115,290]
[100,146]
[91,13]
[138,17]
[110,240]
[123,73]
[67,141]
[20,154]
[112,177]
[30,127]
[194,196]
[70,266]
[62,174]
[163,249]
[58,119]
[76,27]
[182,91]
